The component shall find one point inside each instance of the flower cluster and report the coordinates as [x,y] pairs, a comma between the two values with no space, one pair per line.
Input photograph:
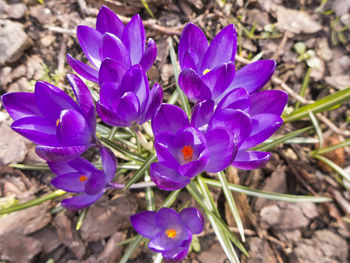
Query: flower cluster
[229,117]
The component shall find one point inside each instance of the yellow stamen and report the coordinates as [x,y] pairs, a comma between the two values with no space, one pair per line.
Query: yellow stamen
[57,122]
[206,71]
[82,178]
[171,233]
[187,153]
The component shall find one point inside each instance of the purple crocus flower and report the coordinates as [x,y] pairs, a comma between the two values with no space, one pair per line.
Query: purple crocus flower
[170,233]
[62,128]
[125,97]
[111,39]
[184,151]
[262,117]
[80,176]
[208,71]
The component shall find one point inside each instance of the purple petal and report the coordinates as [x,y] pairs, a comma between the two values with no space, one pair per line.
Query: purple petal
[110,92]
[60,154]
[108,22]
[268,101]
[222,149]
[134,38]
[114,49]
[237,99]
[51,100]
[135,81]
[80,201]
[154,100]
[111,70]
[192,38]
[82,69]
[254,76]
[166,178]
[71,182]
[109,163]
[194,168]
[167,217]
[188,61]
[149,56]
[145,224]
[161,242]
[36,129]
[178,253]
[96,183]
[193,219]
[263,126]
[193,86]
[73,129]
[20,105]
[77,165]
[162,145]
[202,113]
[236,121]
[129,107]
[249,160]
[221,50]
[110,117]
[162,122]
[90,41]
[219,79]
[84,99]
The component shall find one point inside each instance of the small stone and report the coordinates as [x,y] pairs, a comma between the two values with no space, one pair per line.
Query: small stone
[260,251]
[69,236]
[18,248]
[42,14]
[47,40]
[48,238]
[112,252]
[213,254]
[13,41]
[35,67]
[296,21]
[17,11]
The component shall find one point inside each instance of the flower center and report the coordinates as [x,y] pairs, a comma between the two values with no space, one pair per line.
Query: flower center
[171,233]
[82,178]
[187,153]
[57,122]
[206,71]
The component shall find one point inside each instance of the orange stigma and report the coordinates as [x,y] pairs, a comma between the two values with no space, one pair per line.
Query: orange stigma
[82,178]
[187,153]
[57,122]
[171,233]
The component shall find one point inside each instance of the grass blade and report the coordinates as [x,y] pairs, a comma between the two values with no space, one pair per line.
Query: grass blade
[141,171]
[321,105]
[268,195]
[81,218]
[317,128]
[334,166]
[231,203]
[146,6]
[34,202]
[304,87]
[267,146]
[332,147]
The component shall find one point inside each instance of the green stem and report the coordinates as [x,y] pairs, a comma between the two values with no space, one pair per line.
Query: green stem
[34,202]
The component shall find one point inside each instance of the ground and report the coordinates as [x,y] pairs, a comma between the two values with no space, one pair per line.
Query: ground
[34,38]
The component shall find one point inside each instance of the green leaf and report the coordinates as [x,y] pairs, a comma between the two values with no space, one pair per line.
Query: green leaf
[199,199]
[147,8]
[304,86]
[81,218]
[183,98]
[334,166]
[267,146]
[269,195]
[141,171]
[34,202]
[332,147]
[231,204]
[321,105]
[317,128]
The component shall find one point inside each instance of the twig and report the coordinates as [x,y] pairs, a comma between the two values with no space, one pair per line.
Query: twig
[60,30]
[343,203]
[87,10]
[281,46]
[332,126]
